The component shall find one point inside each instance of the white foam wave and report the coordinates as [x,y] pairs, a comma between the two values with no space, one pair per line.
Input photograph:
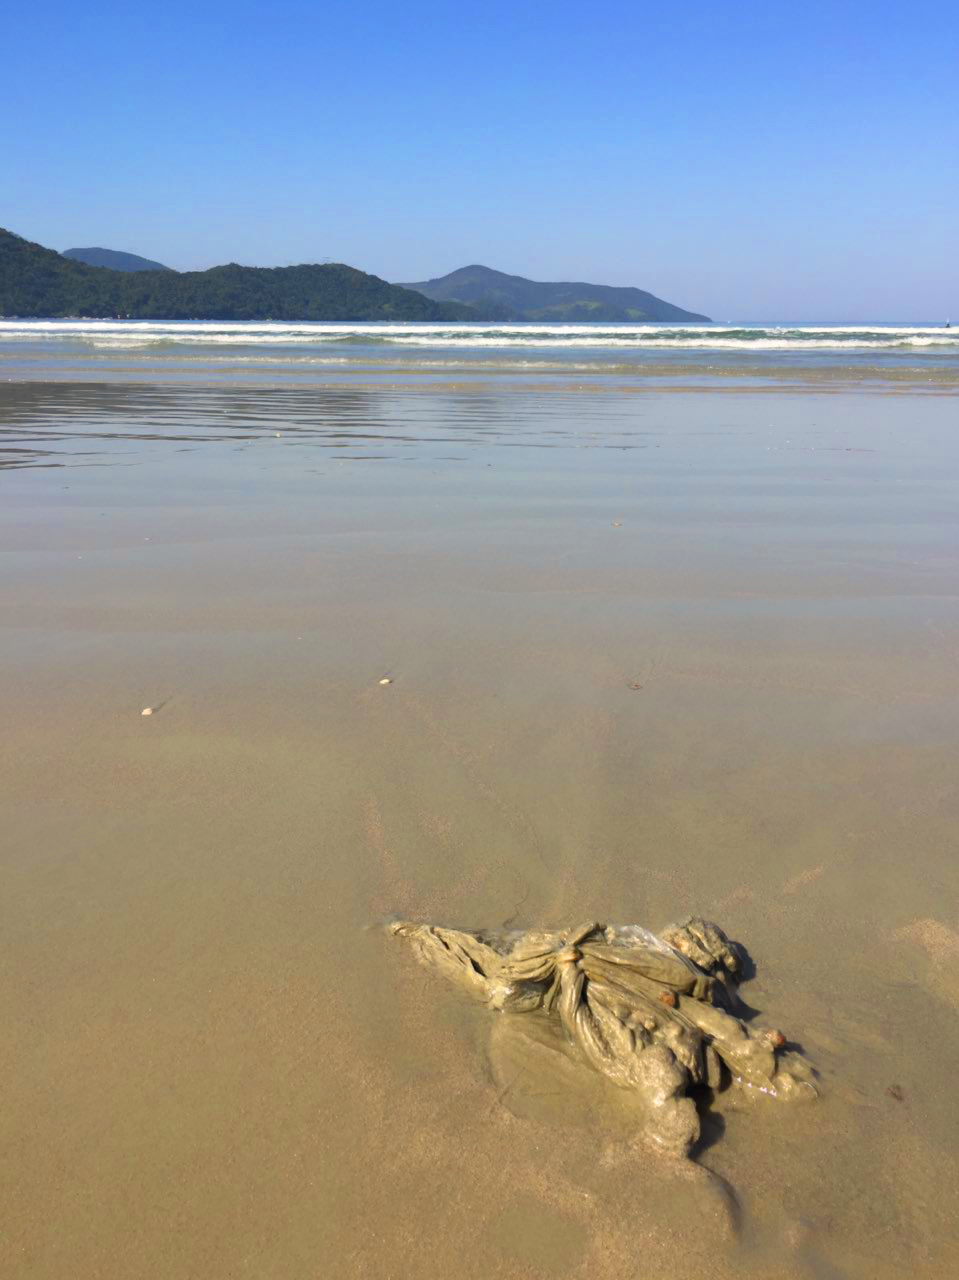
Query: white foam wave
[148,334]
[181,327]
[703,343]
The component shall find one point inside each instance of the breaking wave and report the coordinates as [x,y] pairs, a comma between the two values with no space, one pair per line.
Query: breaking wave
[131,334]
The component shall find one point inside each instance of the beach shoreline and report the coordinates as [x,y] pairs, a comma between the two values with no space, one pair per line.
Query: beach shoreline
[648,654]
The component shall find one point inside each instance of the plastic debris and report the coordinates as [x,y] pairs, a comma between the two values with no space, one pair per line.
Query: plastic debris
[655,1014]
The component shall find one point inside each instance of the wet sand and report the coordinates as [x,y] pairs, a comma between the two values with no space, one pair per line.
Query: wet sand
[215,1067]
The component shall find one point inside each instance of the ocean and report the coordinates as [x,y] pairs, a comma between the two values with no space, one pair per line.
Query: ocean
[480,626]
[255,350]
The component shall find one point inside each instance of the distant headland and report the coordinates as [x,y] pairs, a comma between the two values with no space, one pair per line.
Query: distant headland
[505,297]
[104,283]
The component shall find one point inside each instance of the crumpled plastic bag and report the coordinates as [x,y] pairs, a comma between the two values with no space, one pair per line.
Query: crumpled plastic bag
[655,1014]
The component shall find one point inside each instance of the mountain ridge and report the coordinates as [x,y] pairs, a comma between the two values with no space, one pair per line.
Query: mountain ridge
[36,281]
[114,259]
[508,297]
[39,282]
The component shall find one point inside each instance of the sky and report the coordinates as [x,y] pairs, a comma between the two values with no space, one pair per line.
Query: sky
[776,161]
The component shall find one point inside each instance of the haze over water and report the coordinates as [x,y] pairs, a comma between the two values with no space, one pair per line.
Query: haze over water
[671,621]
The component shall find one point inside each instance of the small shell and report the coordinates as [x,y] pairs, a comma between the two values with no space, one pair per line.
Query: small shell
[386,680]
[147,711]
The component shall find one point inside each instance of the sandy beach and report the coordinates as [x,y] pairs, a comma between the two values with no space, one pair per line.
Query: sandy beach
[650,653]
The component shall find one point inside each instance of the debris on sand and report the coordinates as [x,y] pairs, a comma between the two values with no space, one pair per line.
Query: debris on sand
[147,711]
[386,680]
[655,1014]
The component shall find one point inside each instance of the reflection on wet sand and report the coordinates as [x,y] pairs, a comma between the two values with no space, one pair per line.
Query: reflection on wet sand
[214,1066]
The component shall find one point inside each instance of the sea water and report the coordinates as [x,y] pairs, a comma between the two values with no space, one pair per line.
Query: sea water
[254,349]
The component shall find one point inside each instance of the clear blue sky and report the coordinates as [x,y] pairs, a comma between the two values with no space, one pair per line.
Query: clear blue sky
[752,161]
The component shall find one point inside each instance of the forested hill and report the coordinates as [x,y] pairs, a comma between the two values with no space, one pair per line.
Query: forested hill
[39,282]
[115,259]
[515,297]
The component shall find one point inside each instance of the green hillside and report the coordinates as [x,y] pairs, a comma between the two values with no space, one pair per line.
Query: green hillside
[513,297]
[35,281]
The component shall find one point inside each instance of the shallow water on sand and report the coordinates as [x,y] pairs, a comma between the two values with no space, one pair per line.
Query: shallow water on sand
[214,1066]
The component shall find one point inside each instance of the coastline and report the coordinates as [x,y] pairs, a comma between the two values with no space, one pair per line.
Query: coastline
[566,356]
